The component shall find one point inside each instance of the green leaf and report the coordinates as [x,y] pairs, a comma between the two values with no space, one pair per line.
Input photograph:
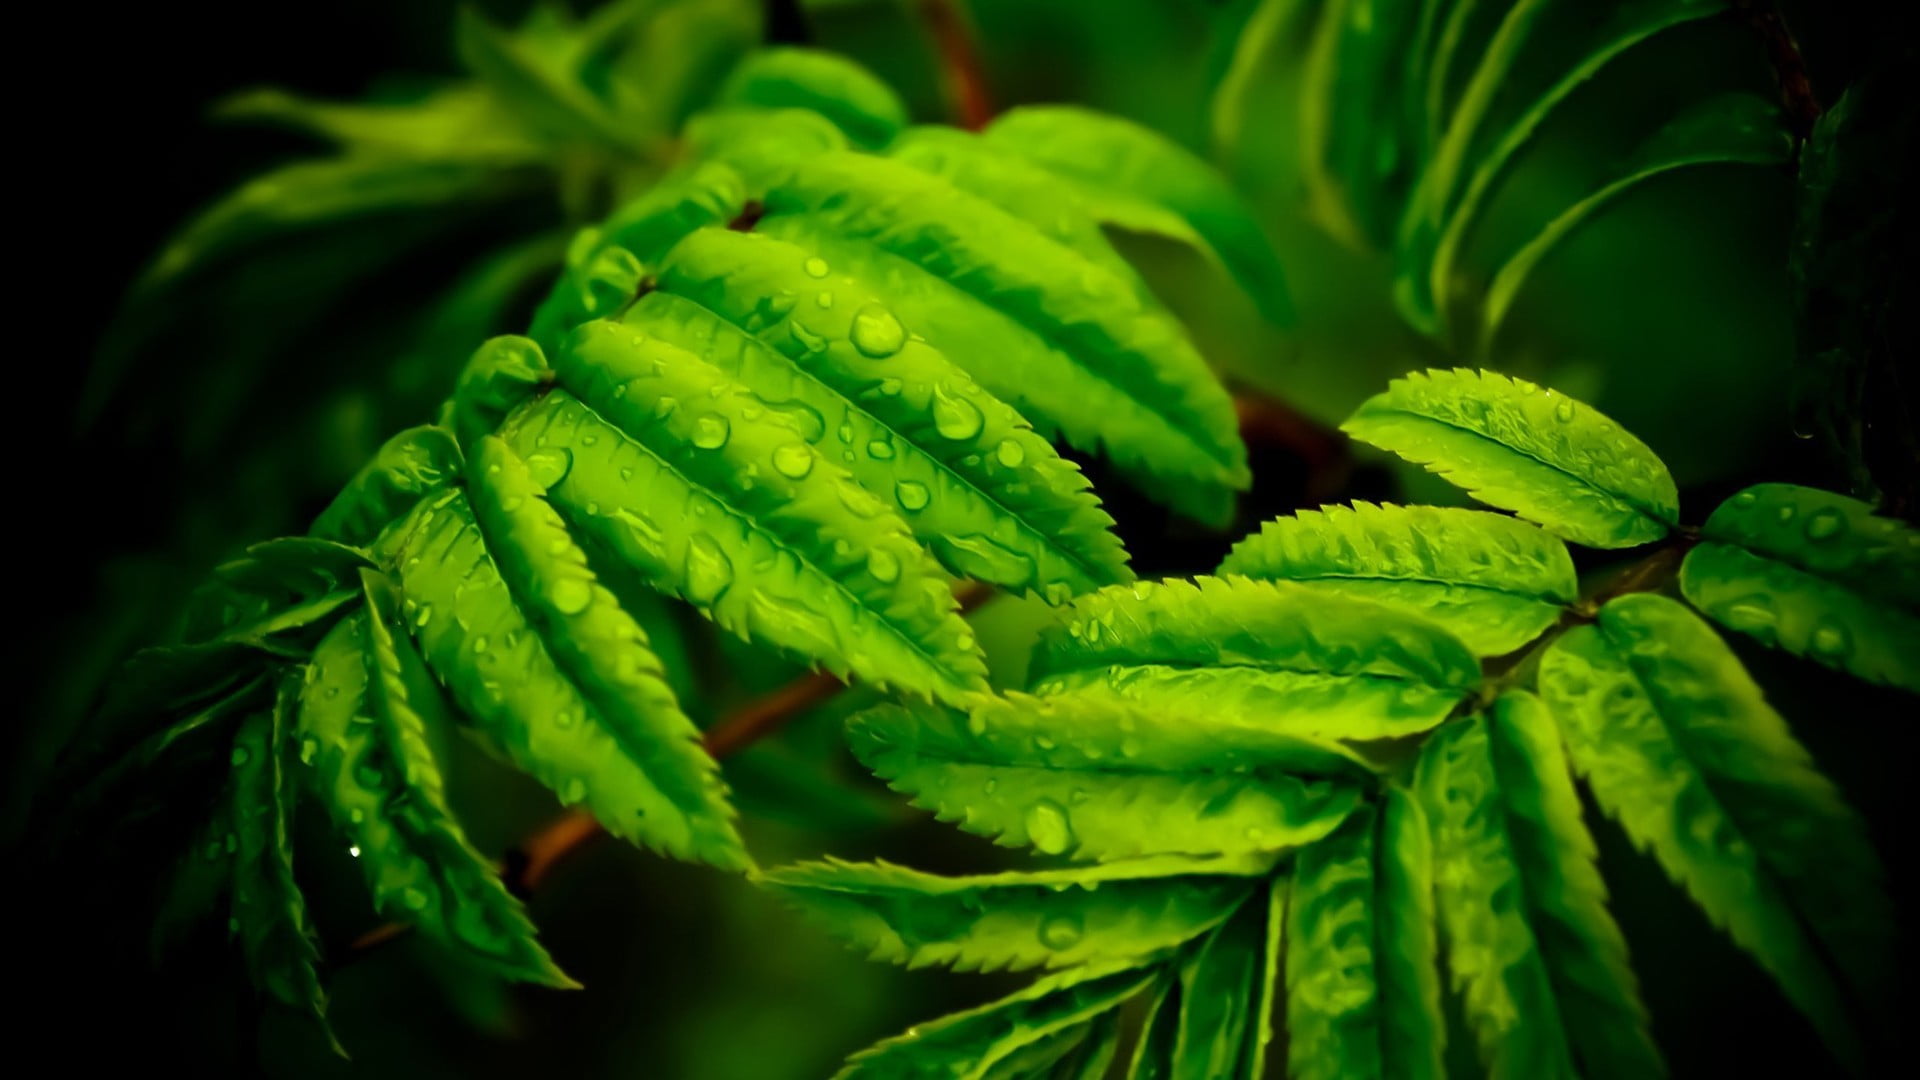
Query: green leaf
[1125,910]
[200,878]
[276,594]
[1677,742]
[1070,344]
[1226,992]
[269,911]
[702,193]
[645,774]
[763,145]
[598,283]
[1355,155]
[1017,184]
[1492,581]
[1138,179]
[458,123]
[678,58]
[1363,986]
[1816,574]
[503,373]
[968,1045]
[989,497]
[1540,965]
[1729,129]
[546,100]
[1101,779]
[407,468]
[1511,444]
[658,443]
[363,733]
[1229,653]
[323,193]
[844,92]
[1441,216]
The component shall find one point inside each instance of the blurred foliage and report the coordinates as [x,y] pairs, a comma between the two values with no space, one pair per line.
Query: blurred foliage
[1671,311]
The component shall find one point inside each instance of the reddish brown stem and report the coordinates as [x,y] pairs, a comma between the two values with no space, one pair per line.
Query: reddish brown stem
[1326,452]
[966,83]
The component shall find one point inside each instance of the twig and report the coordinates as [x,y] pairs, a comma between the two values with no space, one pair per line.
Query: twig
[952,33]
[1789,67]
[530,864]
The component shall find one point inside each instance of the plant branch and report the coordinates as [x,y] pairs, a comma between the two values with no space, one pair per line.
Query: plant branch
[966,84]
[528,865]
[1789,67]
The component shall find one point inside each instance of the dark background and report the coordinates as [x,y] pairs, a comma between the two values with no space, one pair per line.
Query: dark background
[687,976]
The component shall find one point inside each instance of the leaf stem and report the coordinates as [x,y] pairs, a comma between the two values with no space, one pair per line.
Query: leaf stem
[966,83]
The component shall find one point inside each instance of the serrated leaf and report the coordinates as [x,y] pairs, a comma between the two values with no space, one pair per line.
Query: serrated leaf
[798,555]
[458,123]
[1015,183]
[1676,741]
[1729,129]
[989,497]
[1226,993]
[1079,776]
[201,877]
[641,770]
[1273,656]
[1514,445]
[1470,160]
[1058,918]
[1363,985]
[1138,179]
[364,736]
[407,468]
[968,1045]
[1814,573]
[1042,327]
[1540,965]
[837,88]
[1492,581]
[269,911]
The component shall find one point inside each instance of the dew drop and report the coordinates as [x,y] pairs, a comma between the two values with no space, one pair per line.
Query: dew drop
[1830,638]
[710,432]
[1563,412]
[955,418]
[548,467]
[816,267]
[794,460]
[1824,524]
[575,791]
[880,450]
[911,496]
[824,299]
[239,756]
[414,899]
[571,596]
[1047,827]
[877,332]
[1061,932]
[1010,454]
[882,564]
[709,571]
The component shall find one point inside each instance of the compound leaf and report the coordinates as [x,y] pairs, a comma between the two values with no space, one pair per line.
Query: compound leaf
[1676,742]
